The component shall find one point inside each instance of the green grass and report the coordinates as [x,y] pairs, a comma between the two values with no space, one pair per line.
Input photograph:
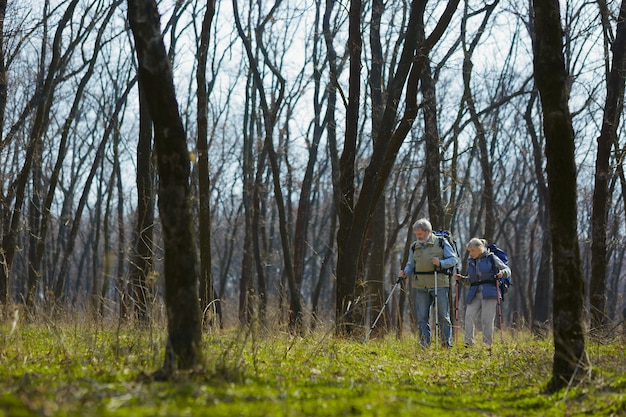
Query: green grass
[78,369]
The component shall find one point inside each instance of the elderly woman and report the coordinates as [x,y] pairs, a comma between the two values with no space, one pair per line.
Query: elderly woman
[483,268]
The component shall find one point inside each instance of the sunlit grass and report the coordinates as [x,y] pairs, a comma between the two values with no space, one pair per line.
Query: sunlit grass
[85,369]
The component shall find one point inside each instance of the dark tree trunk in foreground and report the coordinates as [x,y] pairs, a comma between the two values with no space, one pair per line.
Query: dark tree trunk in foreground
[570,359]
[601,197]
[181,277]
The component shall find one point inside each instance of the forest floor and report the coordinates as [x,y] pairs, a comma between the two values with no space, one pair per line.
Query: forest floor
[78,369]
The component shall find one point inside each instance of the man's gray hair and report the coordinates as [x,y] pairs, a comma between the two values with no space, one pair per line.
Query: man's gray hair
[423,224]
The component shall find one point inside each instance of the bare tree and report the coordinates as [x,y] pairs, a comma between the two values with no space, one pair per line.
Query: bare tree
[43,96]
[270,105]
[541,306]
[570,358]
[606,141]
[207,292]
[3,72]
[142,259]
[183,349]
[355,215]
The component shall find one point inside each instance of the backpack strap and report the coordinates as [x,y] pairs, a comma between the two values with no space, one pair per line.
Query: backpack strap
[485,281]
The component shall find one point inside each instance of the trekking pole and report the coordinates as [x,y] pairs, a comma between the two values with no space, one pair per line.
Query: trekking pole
[456,314]
[436,314]
[499,307]
[400,279]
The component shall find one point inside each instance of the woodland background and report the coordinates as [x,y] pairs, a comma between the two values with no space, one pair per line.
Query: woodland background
[268,98]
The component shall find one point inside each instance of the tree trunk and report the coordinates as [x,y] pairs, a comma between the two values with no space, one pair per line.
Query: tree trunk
[601,197]
[488,193]
[432,163]
[354,218]
[183,350]
[44,96]
[141,267]
[3,71]
[207,292]
[250,209]
[570,358]
[270,115]
[541,296]
[349,251]
[375,283]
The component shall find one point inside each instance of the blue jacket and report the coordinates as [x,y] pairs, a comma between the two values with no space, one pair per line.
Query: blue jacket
[481,273]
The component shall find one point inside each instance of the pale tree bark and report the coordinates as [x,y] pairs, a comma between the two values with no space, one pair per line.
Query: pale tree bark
[570,358]
[601,197]
[183,350]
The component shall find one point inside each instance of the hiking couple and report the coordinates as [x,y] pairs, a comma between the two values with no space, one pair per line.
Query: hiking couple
[429,257]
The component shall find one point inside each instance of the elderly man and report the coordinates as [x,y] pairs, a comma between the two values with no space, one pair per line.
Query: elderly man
[428,257]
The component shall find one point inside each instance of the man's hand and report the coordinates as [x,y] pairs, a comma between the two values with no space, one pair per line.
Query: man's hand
[402,274]
[435,261]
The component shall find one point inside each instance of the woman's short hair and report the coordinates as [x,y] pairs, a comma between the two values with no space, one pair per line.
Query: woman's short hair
[423,224]
[476,242]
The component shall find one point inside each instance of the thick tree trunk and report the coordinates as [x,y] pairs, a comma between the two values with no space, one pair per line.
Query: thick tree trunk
[183,350]
[570,358]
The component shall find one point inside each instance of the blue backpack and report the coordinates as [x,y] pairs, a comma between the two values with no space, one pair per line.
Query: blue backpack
[445,234]
[505,283]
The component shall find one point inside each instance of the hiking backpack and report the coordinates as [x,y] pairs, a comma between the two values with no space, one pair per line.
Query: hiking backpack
[445,234]
[505,283]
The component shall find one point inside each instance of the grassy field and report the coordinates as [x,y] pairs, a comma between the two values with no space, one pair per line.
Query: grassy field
[88,370]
